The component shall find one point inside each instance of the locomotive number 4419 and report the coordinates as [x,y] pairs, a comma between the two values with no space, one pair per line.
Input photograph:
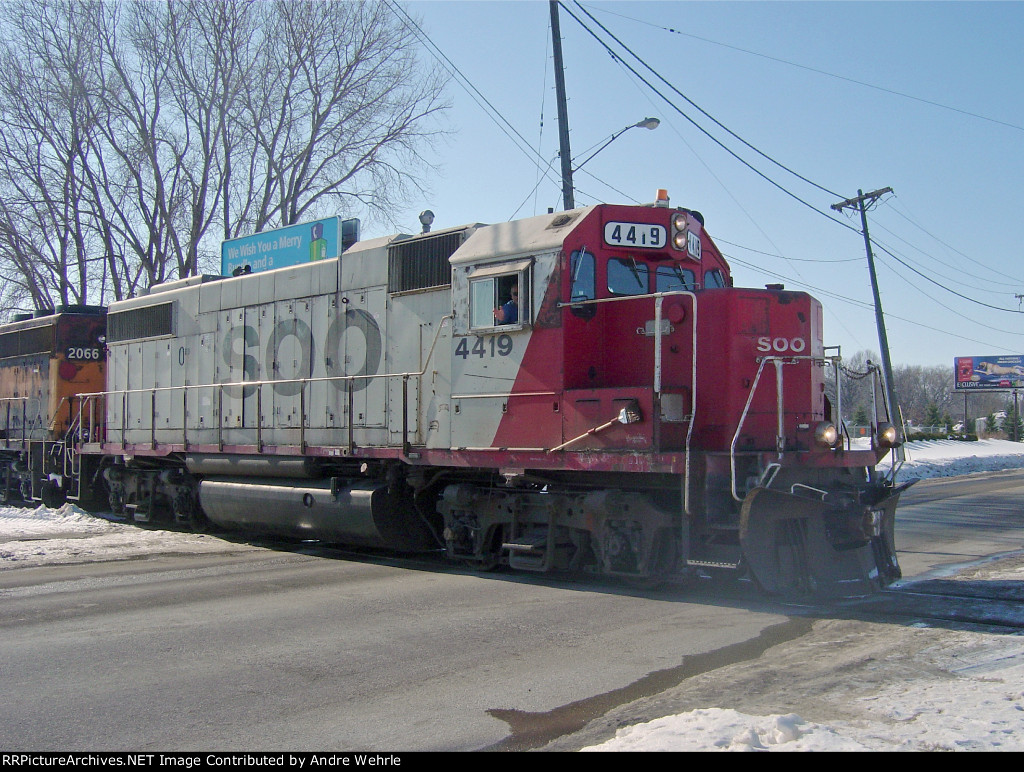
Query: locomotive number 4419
[635,234]
[500,345]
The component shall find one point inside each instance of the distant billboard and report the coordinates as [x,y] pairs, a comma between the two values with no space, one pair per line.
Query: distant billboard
[994,372]
[291,245]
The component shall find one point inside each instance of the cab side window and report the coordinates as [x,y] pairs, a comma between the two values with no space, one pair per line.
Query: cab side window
[714,278]
[583,281]
[499,300]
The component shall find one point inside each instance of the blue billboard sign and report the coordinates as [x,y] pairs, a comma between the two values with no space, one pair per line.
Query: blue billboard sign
[984,373]
[291,245]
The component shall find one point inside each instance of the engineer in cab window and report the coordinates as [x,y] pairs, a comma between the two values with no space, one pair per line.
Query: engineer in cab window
[509,313]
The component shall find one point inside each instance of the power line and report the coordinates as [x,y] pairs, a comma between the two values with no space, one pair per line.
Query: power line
[544,167]
[785,257]
[696,125]
[702,110]
[958,278]
[941,286]
[618,60]
[817,71]
[1002,278]
[917,287]
[635,56]
[866,306]
[503,124]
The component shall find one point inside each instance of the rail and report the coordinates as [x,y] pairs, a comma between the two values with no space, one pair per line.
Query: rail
[86,420]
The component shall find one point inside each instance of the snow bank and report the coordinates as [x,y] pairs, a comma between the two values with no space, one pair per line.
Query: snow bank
[31,537]
[952,458]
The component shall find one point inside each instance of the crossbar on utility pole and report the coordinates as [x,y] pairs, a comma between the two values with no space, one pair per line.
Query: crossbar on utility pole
[883,340]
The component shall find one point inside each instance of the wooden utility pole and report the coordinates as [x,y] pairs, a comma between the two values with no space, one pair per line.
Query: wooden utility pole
[883,340]
[568,200]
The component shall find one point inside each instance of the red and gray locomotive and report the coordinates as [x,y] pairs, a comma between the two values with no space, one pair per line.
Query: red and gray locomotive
[628,413]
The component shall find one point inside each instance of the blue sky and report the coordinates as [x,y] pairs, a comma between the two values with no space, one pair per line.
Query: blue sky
[940,121]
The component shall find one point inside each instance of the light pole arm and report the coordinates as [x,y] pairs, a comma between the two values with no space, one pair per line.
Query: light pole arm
[646,123]
[611,139]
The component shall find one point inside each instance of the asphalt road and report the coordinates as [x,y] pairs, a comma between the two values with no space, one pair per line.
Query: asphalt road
[270,650]
[284,651]
[949,521]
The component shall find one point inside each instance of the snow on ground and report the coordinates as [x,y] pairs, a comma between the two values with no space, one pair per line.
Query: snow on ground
[975,703]
[951,458]
[33,537]
[972,700]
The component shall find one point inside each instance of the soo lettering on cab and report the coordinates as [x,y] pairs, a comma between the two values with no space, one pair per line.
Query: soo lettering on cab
[768,344]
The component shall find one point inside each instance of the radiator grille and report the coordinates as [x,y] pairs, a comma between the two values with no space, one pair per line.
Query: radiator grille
[147,322]
[421,263]
[37,340]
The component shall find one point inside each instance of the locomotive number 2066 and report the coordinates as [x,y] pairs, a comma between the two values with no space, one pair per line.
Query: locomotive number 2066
[89,354]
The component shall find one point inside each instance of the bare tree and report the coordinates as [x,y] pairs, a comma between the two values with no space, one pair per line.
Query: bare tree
[924,390]
[168,77]
[46,89]
[337,122]
[129,129]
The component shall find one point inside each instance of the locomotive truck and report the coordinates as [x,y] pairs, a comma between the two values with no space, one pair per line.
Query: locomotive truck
[641,417]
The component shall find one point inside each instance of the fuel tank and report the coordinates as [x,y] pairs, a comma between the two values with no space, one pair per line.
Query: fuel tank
[364,513]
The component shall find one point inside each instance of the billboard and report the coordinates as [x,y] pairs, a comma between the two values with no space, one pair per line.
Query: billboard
[291,245]
[994,372]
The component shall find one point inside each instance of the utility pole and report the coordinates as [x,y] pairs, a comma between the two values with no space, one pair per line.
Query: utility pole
[883,341]
[568,202]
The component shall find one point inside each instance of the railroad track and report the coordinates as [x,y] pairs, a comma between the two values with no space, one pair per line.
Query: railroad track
[994,604]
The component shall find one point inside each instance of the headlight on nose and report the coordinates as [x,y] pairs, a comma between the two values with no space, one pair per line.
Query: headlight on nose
[826,433]
[680,231]
[630,414]
[886,436]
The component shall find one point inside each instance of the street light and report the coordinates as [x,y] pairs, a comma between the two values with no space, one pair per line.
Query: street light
[647,123]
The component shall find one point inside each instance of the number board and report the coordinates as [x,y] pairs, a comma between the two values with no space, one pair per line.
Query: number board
[635,234]
[693,244]
[84,353]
